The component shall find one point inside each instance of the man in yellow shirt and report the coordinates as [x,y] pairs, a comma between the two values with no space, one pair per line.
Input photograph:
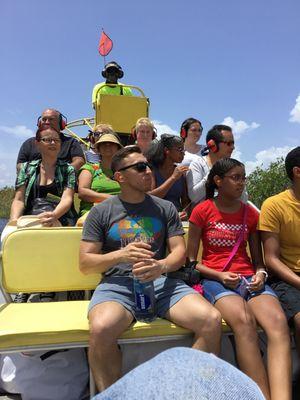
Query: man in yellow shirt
[112,72]
[279,224]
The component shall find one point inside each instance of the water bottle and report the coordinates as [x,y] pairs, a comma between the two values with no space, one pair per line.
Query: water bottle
[144,300]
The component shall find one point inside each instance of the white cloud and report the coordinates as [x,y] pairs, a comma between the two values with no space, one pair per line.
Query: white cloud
[295,113]
[239,127]
[237,154]
[265,157]
[18,130]
[162,128]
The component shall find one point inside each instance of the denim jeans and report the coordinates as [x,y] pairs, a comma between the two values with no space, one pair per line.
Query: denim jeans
[183,374]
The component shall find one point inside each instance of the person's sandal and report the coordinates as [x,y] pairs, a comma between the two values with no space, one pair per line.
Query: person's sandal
[21,298]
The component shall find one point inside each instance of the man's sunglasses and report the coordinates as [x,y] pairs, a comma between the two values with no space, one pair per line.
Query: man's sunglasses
[140,166]
[228,143]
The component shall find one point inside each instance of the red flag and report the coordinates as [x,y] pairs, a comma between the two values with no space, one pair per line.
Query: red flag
[105,44]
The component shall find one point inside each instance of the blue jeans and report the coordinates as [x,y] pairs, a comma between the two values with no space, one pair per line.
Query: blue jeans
[181,374]
[215,290]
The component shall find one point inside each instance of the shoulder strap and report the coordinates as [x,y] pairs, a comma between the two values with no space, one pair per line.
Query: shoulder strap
[121,90]
[238,242]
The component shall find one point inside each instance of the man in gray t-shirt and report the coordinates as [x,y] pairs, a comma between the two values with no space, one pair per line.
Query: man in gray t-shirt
[129,235]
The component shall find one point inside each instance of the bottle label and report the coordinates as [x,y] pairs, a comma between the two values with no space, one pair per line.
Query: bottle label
[142,301]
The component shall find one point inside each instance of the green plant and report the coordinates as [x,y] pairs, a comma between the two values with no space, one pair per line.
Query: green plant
[263,183]
[6,197]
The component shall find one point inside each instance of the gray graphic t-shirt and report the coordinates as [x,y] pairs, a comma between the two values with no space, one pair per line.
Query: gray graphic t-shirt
[116,223]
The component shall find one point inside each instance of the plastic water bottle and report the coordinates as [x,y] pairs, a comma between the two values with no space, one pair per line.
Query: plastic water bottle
[144,300]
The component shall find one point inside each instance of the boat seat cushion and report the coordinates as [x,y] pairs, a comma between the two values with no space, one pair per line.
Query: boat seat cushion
[41,324]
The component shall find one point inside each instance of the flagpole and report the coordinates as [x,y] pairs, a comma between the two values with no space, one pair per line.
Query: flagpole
[103,56]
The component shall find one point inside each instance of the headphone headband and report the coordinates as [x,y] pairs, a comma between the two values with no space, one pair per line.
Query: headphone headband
[62,120]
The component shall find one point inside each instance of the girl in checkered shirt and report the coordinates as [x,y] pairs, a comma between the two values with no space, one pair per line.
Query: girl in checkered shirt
[234,283]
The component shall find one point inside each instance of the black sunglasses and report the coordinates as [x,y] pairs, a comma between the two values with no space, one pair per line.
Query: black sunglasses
[140,166]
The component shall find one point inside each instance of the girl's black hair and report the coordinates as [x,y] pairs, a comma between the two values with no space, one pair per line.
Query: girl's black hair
[220,168]
[187,124]
[156,153]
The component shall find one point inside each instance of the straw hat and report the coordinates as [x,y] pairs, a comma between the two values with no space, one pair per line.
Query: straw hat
[109,138]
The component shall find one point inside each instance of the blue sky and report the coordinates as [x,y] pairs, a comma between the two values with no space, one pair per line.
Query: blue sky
[233,61]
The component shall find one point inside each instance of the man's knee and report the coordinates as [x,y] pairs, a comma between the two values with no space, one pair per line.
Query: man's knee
[108,323]
[101,332]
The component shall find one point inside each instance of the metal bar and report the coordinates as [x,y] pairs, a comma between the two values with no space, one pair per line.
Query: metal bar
[55,346]
[82,121]
[75,136]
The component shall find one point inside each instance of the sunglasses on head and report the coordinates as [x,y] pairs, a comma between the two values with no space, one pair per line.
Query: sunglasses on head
[140,166]
[97,134]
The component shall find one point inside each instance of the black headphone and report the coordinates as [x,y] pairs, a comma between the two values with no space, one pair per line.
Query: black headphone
[62,120]
[115,65]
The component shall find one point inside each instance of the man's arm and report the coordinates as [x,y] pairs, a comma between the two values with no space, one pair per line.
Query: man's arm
[91,261]
[271,245]
[150,269]
[77,162]
[76,154]
[24,153]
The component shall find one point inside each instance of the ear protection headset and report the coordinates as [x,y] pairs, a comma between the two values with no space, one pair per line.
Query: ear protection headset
[185,126]
[115,65]
[183,133]
[212,146]
[62,120]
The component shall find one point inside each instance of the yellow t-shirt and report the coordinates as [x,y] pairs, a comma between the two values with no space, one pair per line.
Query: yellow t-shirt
[113,90]
[281,214]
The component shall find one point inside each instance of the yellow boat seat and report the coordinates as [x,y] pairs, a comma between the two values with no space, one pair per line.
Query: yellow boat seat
[46,260]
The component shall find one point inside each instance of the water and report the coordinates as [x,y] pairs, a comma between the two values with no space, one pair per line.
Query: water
[144,301]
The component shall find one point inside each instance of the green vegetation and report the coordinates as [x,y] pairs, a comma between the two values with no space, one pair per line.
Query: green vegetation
[263,183]
[6,196]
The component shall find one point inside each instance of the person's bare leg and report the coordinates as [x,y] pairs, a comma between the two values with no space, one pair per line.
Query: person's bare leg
[107,322]
[271,318]
[297,342]
[195,313]
[297,332]
[238,315]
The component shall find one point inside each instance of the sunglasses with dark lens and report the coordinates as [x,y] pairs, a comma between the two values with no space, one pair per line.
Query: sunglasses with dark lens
[229,142]
[237,178]
[140,166]
[97,134]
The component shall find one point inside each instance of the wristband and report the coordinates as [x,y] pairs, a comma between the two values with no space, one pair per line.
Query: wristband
[263,272]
